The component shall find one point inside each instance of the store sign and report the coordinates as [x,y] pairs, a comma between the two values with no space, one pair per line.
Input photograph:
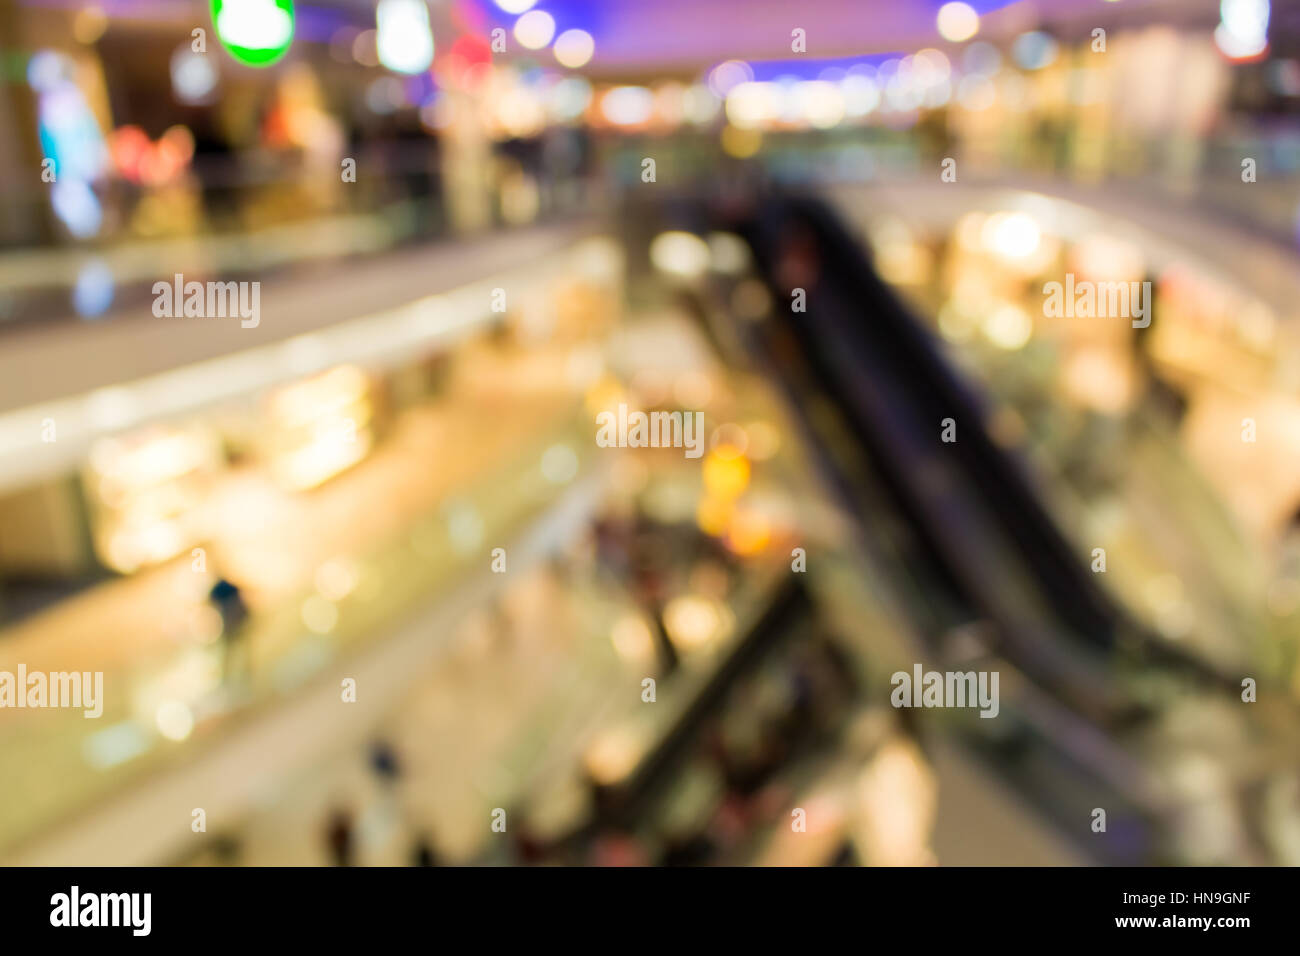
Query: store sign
[254,32]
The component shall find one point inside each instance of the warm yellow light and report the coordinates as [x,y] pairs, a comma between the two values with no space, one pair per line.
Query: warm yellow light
[741,143]
[174,720]
[750,532]
[604,395]
[1095,379]
[713,515]
[753,104]
[143,487]
[897,801]
[820,104]
[957,22]
[632,639]
[680,253]
[1108,258]
[627,105]
[1008,327]
[1012,235]
[319,614]
[150,457]
[534,29]
[729,440]
[692,388]
[336,579]
[931,66]
[904,262]
[308,401]
[692,622]
[574,48]
[320,427]
[726,475]
[764,440]
[520,112]
[612,756]
[969,231]
[314,464]
[89,24]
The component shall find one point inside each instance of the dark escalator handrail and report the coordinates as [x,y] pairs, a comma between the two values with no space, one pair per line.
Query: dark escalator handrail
[1003,483]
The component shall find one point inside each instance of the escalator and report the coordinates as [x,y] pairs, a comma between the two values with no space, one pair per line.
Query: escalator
[855,357]
[903,444]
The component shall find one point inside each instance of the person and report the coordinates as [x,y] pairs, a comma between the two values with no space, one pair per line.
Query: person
[338,834]
[384,762]
[226,849]
[229,602]
[423,853]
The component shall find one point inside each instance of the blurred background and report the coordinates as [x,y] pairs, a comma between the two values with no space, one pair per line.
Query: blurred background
[364,588]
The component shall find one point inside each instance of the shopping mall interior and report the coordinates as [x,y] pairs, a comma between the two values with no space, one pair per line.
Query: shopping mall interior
[576,432]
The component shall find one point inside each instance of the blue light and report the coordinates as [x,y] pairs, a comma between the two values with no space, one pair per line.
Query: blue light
[77,206]
[93,292]
[807,68]
[1034,50]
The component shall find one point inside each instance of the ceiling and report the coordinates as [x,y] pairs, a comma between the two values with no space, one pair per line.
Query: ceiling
[657,36]
[668,34]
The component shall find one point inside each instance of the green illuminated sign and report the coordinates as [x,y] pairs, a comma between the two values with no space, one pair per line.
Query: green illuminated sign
[256,32]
